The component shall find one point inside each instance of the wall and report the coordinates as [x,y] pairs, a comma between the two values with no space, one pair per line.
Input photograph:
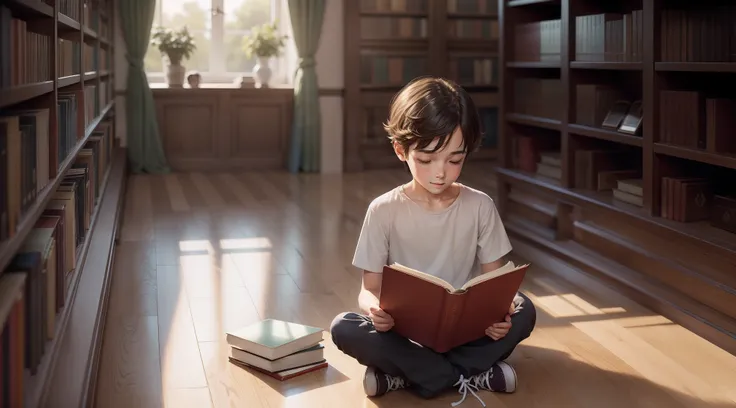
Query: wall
[330,74]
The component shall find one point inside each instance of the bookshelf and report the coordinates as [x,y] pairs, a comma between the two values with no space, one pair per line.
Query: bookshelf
[616,149]
[61,173]
[390,42]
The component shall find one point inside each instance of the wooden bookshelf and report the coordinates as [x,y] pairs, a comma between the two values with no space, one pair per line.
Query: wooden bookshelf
[61,173]
[388,43]
[616,149]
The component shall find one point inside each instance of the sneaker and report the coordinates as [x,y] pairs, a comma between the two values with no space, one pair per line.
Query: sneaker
[377,383]
[500,378]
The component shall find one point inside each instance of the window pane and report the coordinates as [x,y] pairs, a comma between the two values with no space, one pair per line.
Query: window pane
[175,14]
[236,59]
[194,14]
[200,59]
[240,17]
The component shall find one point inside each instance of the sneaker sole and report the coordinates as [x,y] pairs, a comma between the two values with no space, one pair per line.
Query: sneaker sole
[509,375]
[370,383]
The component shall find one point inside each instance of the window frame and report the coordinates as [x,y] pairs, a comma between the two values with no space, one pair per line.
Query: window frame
[217,73]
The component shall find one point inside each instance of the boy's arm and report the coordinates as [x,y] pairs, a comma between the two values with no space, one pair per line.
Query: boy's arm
[370,291]
[492,266]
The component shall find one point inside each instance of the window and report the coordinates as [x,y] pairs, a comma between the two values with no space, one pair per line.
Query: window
[218,27]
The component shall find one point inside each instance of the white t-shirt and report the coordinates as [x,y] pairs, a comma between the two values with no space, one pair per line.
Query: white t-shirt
[451,243]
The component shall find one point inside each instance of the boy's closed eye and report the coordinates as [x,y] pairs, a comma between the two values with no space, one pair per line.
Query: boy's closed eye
[427,161]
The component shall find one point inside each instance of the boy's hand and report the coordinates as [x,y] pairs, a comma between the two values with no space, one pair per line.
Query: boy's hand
[382,321]
[499,330]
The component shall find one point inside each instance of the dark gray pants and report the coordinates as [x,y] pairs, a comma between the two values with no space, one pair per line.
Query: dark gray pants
[427,372]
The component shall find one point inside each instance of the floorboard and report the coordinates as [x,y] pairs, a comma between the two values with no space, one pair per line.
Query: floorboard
[202,253]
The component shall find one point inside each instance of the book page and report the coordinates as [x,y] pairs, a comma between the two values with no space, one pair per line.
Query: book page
[424,276]
[508,268]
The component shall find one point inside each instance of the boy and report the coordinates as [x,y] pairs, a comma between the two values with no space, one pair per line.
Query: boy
[439,226]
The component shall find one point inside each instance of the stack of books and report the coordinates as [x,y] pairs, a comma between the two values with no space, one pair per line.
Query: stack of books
[277,348]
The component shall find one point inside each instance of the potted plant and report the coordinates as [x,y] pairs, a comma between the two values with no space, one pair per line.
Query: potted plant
[263,42]
[176,46]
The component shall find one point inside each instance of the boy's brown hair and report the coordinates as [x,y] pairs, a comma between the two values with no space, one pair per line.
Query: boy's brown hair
[428,108]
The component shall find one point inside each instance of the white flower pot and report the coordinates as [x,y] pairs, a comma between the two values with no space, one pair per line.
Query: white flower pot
[262,72]
[175,75]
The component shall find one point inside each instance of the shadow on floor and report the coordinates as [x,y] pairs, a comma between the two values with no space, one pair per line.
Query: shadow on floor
[551,378]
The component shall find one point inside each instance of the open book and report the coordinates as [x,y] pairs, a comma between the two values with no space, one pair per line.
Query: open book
[431,312]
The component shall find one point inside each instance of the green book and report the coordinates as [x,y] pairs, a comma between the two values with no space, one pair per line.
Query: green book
[273,339]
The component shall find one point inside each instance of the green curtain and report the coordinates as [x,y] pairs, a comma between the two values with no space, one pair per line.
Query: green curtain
[145,152]
[306,23]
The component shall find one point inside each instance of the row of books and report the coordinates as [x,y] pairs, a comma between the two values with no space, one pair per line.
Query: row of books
[24,54]
[703,35]
[474,71]
[382,70]
[68,58]
[70,8]
[32,150]
[538,41]
[277,348]
[696,198]
[33,287]
[611,37]
[421,6]
[477,29]
[691,119]
[372,27]
[683,198]
[594,174]
[91,18]
[473,6]
[413,6]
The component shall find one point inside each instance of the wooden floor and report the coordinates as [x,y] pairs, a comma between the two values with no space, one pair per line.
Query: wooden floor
[204,253]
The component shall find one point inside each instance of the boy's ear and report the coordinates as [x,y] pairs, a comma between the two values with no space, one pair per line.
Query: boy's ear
[399,151]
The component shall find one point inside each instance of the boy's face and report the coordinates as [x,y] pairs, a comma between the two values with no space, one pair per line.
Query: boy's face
[436,171]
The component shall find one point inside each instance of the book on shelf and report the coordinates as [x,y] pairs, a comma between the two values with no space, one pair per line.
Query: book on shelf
[686,199]
[433,313]
[723,213]
[720,124]
[631,123]
[616,115]
[682,116]
[277,348]
[589,164]
[630,191]
[608,180]
[538,41]
[594,102]
[550,166]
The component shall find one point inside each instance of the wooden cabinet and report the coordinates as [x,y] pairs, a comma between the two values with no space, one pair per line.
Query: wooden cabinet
[225,128]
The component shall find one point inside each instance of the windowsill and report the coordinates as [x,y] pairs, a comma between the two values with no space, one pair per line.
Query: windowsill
[210,86]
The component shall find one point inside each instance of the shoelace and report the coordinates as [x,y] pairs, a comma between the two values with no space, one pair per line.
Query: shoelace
[466,386]
[394,383]
[483,380]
